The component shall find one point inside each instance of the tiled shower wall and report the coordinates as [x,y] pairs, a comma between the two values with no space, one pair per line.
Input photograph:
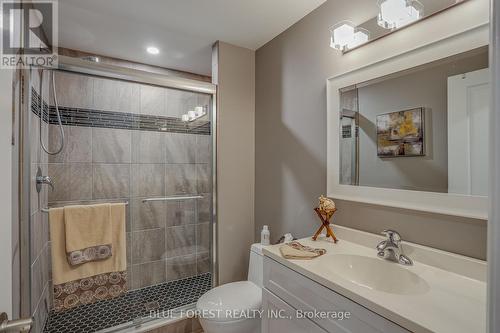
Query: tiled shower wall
[165,241]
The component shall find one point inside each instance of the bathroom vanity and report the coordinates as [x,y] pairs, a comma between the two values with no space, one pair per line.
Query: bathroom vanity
[441,292]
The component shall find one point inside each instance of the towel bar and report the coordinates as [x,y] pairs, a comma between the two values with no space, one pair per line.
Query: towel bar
[46,210]
[174,198]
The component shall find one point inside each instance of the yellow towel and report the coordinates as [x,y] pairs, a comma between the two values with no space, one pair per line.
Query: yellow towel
[295,250]
[63,272]
[87,226]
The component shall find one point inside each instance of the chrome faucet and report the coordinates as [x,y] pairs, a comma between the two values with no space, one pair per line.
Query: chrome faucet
[392,249]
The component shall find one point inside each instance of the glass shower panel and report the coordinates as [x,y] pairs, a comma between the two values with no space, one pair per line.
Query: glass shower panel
[171,196]
[128,142]
[39,242]
[349,137]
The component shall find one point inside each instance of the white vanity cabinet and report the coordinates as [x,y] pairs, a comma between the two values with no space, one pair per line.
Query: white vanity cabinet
[292,293]
[279,323]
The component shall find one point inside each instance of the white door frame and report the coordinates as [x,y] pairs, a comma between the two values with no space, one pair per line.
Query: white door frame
[494,216]
[5,193]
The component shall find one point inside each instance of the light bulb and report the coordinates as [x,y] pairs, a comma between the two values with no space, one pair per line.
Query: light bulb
[345,35]
[394,14]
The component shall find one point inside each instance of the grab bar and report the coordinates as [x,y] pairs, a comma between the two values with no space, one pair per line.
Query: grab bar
[173,198]
[46,210]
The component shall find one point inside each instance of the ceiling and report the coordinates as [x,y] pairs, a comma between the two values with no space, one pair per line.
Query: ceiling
[183,30]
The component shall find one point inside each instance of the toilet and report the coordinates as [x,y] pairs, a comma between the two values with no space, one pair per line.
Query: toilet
[242,296]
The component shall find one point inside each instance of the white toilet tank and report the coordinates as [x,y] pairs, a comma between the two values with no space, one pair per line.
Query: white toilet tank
[256,265]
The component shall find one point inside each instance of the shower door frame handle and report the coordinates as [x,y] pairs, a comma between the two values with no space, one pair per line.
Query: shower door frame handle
[19,325]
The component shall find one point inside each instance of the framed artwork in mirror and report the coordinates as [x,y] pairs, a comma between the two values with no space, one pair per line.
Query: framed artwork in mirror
[401,133]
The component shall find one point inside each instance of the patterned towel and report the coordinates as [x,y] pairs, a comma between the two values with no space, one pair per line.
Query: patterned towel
[295,250]
[88,233]
[93,281]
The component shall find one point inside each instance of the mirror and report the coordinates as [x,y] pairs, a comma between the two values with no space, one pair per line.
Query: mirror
[423,129]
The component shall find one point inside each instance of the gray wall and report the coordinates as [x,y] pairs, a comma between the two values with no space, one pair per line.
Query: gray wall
[427,88]
[234,73]
[291,72]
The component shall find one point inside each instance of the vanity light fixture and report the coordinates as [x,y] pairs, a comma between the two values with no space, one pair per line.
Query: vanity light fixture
[153,50]
[394,14]
[345,35]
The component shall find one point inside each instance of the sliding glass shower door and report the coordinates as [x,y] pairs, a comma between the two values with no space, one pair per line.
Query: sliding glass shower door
[150,147]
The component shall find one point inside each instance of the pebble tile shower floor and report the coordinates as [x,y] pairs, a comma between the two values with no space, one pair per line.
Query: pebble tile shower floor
[135,304]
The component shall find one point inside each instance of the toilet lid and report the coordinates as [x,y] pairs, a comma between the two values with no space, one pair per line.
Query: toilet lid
[230,302]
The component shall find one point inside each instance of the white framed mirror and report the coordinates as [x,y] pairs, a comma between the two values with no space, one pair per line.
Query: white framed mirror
[412,131]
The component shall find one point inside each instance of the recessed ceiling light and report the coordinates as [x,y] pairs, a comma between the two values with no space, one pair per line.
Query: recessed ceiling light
[153,50]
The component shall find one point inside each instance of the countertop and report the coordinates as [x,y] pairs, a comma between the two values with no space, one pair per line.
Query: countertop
[450,303]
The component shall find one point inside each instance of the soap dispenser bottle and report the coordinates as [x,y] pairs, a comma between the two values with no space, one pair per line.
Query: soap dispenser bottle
[264,236]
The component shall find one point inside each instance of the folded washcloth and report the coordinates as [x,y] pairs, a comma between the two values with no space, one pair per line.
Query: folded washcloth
[88,233]
[295,250]
[94,281]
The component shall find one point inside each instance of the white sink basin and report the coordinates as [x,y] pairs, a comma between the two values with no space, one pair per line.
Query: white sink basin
[376,274]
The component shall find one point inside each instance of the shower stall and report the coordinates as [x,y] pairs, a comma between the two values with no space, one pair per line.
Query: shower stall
[94,133]
[349,136]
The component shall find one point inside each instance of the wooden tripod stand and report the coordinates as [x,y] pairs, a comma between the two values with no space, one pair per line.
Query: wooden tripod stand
[325,223]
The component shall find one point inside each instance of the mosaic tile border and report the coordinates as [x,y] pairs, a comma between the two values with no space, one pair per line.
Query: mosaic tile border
[129,307]
[119,120]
